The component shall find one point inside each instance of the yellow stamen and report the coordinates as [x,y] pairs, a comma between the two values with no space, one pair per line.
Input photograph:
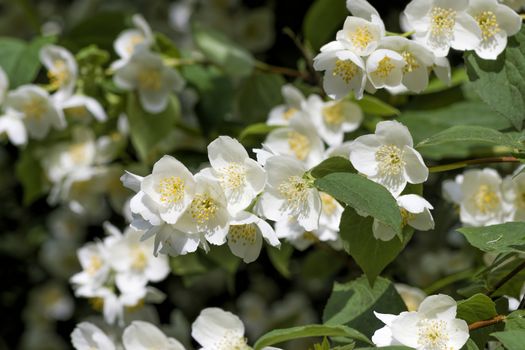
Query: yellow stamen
[203,208]
[411,62]
[150,79]
[329,204]
[334,114]
[486,199]
[361,37]
[488,24]
[245,234]
[384,68]
[171,189]
[442,21]
[345,69]
[390,159]
[299,144]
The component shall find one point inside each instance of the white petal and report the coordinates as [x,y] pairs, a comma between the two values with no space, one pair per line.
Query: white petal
[467,34]
[415,169]
[224,150]
[439,306]
[213,324]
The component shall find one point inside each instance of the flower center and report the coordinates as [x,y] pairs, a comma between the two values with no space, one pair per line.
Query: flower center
[361,37]
[244,234]
[442,21]
[384,68]
[203,208]
[486,199]
[406,216]
[295,191]
[333,114]
[233,176]
[309,236]
[231,342]
[488,24]
[411,62]
[171,190]
[140,260]
[149,79]
[390,159]
[34,109]
[289,113]
[95,264]
[299,144]
[329,204]
[432,335]
[77,152]
[58,75]
[96,303]
[346,70]
[133,41]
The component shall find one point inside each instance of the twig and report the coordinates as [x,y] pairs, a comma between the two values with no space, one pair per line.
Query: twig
[464,163]
[486,323]
[505,279]
[280,70]
[314,75]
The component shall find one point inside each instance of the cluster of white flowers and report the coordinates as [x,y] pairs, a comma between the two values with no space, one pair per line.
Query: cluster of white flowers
[213,329]
[365,57]
[29,111]
[433,326]
[116,272]
[484,198]
[142,70]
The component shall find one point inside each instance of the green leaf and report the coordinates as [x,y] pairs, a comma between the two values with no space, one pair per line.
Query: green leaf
[424,124]
[222,256]
[320,264]
[470,345]
[257,95]
[259,129]
[20,60]
[31,176]
[332,165]
[314,330]
[280,258]
[371,254]
[374,106]
[501,83]
[353,304]
[365,196]
[321,22]
[478,307]
[189,264]
[458,77]
[512,340]
[470,133]
[147,130]
[503,238]
[215,95]
[515,320]
[219,49]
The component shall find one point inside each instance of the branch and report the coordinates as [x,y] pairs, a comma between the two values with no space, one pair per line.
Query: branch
[486,323]
[506,278]
[464,163]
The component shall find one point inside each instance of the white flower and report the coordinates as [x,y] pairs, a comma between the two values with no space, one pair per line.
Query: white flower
[334,118]
[294,103]
[384,68]
[362,32]
[208,212]
[146,73]
[496,22]
[216,329]
[172,241]
[130,39]
[38,110]
[246,234]
[87,336]
[144,336]
[134,258]
[441,24]
[61,68]
[95,269]
[514,192]
[289,194]
[344,71]
[330,214]
[412,296]
[441,69]
[415,211]
[81,106]
[165,193]
[388,157]
[480,198]
[299,140]
[417,59]
[433,326]
[241,177]
[12,124]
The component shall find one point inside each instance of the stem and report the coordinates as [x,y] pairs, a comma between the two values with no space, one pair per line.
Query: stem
[486,323]
[440,284]
[404,35]
[464,163]
[506,278]
[280,70]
